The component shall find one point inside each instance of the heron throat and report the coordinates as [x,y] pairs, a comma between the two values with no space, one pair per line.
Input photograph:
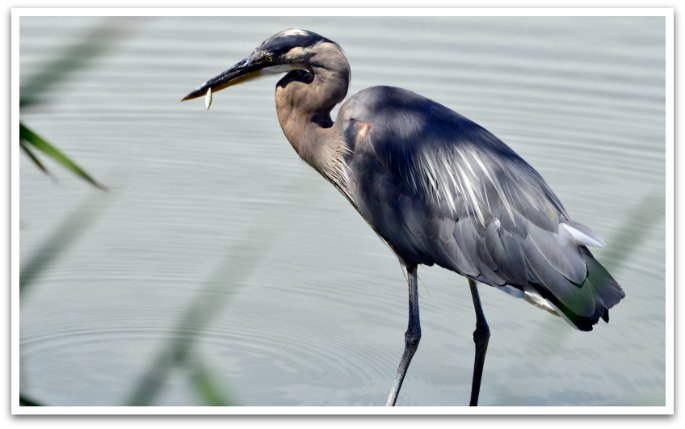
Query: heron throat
[304,100]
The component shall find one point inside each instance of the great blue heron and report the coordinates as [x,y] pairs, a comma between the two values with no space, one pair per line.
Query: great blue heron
[435,186]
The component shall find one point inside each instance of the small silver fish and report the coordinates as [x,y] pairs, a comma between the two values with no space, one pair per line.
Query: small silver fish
[208,98]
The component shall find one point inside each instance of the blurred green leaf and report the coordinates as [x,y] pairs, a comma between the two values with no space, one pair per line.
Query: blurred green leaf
[68,231]
[206,388]
[220,286]
[644,215]
[92,45]
[65,63]
[28,402]
[28,137]
[62,237]
[241,261]
[632,233]
[27,149]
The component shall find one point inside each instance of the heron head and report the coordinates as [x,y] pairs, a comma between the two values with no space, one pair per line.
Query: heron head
[288,50]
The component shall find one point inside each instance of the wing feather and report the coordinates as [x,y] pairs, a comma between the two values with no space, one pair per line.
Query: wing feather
[448,192]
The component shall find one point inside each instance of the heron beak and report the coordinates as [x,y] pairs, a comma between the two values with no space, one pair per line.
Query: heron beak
[243,71]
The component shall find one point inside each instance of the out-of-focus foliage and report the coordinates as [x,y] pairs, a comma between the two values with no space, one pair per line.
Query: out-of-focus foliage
[241,261]
[28,402]
[29,139]
[65,64]
[67,233]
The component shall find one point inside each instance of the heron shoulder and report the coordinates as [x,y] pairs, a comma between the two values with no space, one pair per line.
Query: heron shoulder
[458,167]
[391,105]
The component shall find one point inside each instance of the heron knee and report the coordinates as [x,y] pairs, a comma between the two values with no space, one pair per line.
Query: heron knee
[412,338]
[482,333]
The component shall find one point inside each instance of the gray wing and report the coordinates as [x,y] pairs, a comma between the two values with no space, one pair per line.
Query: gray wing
[442,190]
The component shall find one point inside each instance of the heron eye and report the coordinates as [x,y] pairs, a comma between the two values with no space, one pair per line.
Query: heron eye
[268,58]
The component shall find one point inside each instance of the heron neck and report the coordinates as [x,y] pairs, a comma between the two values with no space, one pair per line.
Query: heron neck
[304,102]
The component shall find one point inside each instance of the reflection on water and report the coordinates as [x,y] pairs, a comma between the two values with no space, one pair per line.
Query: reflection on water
[316,314]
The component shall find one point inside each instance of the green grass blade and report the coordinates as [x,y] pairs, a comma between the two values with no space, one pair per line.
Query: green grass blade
[649,212]
[206,388]
[27,150]
[73,226]
[25,401]
[30,138]
[624,242]
[95,43]
[241,261]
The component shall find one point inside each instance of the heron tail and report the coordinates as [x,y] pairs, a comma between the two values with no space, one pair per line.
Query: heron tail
[602,287]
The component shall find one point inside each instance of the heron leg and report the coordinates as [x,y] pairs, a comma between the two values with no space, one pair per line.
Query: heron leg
[411,337]
[481,337]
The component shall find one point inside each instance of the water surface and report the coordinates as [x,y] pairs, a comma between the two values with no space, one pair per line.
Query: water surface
[310,304]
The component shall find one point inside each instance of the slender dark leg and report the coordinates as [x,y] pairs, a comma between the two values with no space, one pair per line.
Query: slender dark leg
[411,337]
[480,336]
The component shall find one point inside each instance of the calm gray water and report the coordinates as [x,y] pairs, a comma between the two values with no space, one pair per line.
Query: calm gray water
[306,305]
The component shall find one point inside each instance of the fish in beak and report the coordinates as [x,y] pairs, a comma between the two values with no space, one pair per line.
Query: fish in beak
[244,70]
